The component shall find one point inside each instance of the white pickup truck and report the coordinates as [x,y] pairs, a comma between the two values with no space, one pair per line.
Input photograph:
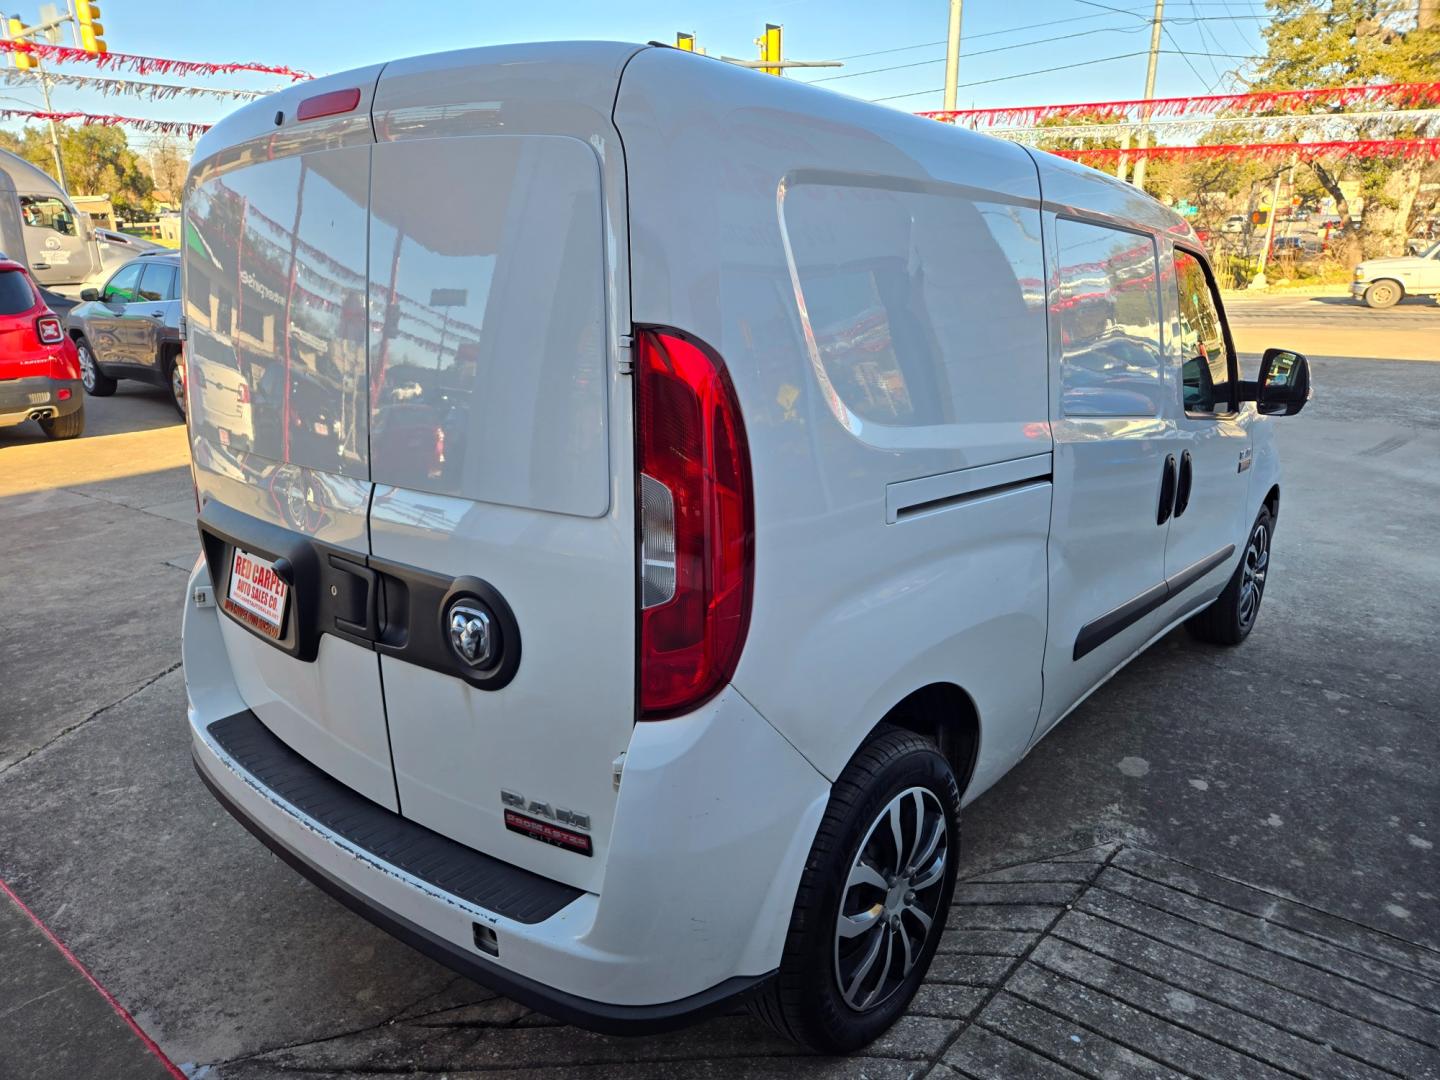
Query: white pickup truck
[1383,283]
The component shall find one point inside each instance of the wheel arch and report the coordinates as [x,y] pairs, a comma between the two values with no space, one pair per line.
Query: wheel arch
[945,714]
[1272,502]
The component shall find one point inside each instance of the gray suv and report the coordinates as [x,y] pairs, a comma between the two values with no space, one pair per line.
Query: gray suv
[130,328]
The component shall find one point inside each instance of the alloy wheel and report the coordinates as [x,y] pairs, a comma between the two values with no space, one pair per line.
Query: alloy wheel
[87,367]
[177,384]
[892,897]
[1252,574]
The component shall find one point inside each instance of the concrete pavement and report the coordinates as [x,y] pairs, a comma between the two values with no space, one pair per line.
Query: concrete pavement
[1223,864]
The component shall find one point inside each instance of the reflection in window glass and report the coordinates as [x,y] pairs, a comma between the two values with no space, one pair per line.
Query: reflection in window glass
[1206,368]
[123,287]
[921,305]
[1109,304]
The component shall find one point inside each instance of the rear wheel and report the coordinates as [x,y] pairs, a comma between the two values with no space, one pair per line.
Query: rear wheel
[65,427]
[96,382]
[873,899]
[1383,294]
[1230,619]
[175,379]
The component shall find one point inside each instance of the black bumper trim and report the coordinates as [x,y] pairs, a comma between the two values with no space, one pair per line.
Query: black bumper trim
[595,1016]
[483,880]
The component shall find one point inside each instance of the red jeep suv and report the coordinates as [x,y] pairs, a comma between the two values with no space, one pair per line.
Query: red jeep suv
[39,368]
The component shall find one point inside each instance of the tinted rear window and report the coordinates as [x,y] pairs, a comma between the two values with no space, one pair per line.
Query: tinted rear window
[15,293]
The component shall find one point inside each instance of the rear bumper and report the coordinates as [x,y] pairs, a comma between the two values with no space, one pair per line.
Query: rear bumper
[714,820]
[38,396]
[583,1012]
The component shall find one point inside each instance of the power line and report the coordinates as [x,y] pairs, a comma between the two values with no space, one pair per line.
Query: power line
[982,52]
[1020,75]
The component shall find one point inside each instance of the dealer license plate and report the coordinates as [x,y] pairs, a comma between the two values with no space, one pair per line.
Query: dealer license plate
[256,595]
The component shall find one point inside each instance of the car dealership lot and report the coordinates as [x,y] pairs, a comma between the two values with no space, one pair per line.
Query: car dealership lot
[1222,863]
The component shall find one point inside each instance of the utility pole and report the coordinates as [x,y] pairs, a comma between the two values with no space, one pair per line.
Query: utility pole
[952,55]
[1155,24]
[1259,279]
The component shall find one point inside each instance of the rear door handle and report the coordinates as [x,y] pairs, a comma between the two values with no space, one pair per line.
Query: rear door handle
[1167,491]
[1183,485]
[157,314]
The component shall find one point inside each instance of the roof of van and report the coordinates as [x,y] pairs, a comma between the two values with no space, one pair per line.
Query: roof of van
[1066,185]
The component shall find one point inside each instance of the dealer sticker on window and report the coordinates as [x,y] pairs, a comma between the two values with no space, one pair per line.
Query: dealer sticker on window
[256,595]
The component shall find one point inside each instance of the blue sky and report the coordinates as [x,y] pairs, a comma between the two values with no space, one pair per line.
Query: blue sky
[1001,39]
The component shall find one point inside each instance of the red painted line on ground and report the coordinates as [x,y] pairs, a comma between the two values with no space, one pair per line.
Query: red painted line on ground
[109,997]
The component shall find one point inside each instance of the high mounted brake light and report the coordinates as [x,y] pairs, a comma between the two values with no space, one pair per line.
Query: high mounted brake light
[697,529]
[331,104]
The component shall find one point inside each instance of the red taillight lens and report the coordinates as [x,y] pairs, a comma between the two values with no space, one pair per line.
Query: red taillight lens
[243,394]
[49,329]
[697,531]
[331,104]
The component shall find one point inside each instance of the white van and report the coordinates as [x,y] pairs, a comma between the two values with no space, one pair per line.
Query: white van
[673,493]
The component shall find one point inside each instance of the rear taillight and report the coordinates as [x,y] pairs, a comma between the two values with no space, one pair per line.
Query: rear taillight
[243,394]
[49,329]
[697,531]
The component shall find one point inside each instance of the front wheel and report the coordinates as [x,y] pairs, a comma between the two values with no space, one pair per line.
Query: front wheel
[1230,619]
[95,381]
[873,899]
[1383,294]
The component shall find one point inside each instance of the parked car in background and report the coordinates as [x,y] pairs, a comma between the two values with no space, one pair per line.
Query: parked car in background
[130,328]
[1235,223]
[1383,283]
[39,368]
[118,248]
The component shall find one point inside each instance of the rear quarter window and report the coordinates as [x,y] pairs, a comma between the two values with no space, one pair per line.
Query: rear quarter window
[15,293]
[922,308]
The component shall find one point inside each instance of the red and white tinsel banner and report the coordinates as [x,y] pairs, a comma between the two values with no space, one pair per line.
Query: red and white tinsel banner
[154,127]
[151,91]
[143,65]
[1368,148]
[1393,95]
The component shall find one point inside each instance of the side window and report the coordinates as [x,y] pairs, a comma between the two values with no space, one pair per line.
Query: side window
[47,212]
[122,288]
[157,283]
[1109,315]
[1205,374]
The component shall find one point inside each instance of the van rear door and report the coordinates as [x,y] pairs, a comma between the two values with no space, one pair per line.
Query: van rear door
[275,292]
[501,446]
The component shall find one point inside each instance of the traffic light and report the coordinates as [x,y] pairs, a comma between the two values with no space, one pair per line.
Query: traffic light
[770,48]
[87,15]
[23,60]
[685,42]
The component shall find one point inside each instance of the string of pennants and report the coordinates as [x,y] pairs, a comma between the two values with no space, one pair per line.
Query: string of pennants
[1417,95]
[144,65]
[152,91]
[181,128]
[1428,148]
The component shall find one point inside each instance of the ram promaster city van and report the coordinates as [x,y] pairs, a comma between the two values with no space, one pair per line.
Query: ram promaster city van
[672,493]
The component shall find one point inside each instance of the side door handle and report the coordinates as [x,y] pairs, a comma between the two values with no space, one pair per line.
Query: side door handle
[1183,485]
[1167,491]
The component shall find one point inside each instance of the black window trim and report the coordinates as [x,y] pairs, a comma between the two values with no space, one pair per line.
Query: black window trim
[1232,361]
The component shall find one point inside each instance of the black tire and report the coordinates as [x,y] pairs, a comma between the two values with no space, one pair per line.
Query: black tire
[1383,294]
[1229,620]
[95,381]
[805,1001]
[173,367]
[65,427]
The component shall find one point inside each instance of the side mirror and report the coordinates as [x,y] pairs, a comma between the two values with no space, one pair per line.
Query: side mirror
[1283,387]
[89,294]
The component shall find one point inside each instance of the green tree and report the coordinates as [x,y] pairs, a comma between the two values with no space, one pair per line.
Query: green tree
[1354,43]
[98,161]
